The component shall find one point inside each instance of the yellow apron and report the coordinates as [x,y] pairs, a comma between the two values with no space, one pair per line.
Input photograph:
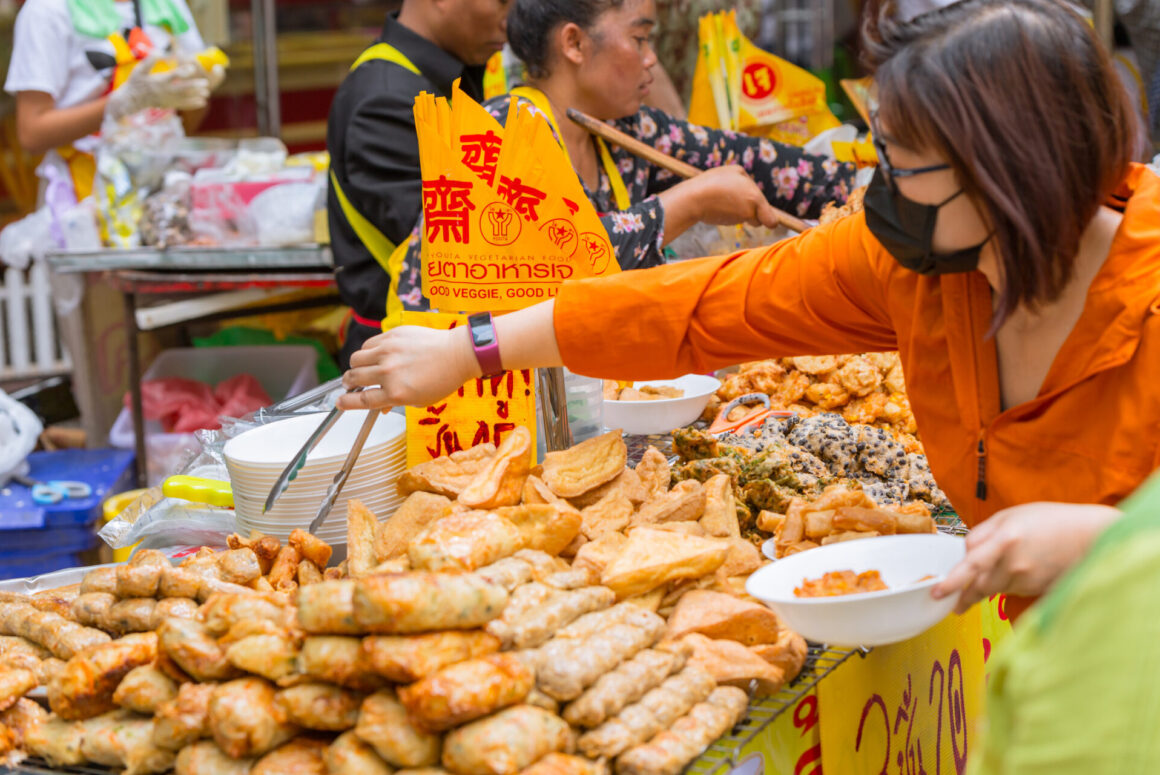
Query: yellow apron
[540,100]
[389,255]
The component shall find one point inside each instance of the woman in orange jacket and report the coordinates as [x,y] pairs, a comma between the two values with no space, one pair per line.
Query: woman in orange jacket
[1009,249]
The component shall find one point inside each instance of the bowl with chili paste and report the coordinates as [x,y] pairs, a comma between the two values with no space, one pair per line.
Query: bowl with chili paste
[870,592]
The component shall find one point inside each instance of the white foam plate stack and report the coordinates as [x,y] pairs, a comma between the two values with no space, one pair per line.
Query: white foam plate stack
[257,457]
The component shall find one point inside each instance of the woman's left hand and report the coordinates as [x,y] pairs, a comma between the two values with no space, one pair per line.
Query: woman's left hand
[1024,550]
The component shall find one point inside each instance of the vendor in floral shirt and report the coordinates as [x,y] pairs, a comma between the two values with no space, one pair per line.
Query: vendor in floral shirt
[595,56]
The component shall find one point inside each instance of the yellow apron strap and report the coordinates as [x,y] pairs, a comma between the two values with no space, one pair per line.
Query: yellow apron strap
[619,190]
[388,255]
[387,53]
[540,100]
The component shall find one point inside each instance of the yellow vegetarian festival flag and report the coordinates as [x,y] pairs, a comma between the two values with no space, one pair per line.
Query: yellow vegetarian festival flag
[505,220]
[738,86]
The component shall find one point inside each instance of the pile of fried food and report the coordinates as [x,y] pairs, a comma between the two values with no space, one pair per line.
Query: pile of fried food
[866,389]
[613,391]
[577,617]
[841,514]
[841,582]
[787,458]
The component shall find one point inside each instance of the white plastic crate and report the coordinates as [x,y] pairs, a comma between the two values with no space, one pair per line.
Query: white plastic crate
[30,343]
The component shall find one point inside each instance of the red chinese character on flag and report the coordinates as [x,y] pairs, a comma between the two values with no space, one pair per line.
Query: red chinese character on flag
[481,154]
[521,196]
[446,209]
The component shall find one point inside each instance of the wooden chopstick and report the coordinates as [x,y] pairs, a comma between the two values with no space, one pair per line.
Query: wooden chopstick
[662,160]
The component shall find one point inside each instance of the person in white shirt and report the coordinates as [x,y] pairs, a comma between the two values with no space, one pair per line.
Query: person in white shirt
[73,61]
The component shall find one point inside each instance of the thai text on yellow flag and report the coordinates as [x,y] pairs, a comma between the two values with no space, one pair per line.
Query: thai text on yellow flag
[505,219]
[482,411]
[738,86]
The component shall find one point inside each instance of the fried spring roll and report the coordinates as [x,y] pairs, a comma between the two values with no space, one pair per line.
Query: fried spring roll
[655,711]
[139,580]
[91,608]
[57,741]
[623,686]
[100,580]
[272,656]
[464,541]
[14,684]
[671,750]
[224,610]
[349,755]
[189,644]
[564,764]
[466,691]
[338,660]
[424,602]
[521,603]
[244,720]
[327,608]
[507,742]
[409,658]
[183,720]
[384,724]
[84,688]
[144,689]
[320,706]
[175,607]
[120,739]
[130,615]
[64,638]
[568,667]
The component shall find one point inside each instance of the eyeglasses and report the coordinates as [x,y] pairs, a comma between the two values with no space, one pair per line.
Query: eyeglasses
[889,171]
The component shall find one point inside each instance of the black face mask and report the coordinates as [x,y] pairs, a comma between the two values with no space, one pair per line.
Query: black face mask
[906,228]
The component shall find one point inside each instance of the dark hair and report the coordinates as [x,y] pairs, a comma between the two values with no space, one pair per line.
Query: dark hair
[531,22]
[1022,99]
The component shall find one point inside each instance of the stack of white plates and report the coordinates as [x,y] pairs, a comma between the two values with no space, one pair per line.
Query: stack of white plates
[257,457]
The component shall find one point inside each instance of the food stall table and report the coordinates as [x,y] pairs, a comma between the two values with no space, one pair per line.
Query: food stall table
[186,285]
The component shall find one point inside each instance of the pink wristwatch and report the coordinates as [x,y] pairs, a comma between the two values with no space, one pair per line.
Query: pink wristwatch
[485,344]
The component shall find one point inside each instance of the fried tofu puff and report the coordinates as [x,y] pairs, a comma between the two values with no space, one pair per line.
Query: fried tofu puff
[144,689]
[205,758]
[183,720]
[301,756]
[349,755]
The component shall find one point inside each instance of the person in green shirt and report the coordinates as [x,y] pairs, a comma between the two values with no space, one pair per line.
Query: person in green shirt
[1076,688]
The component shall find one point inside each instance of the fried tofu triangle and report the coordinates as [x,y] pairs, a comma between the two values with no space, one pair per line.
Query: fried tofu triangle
[448,475]
[572,472]
[501,481]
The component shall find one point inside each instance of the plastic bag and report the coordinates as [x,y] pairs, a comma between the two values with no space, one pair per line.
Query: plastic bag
[165,219]
[26,239]
[284,215]
[19,430]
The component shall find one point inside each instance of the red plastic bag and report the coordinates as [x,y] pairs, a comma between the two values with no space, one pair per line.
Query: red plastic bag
[186,405]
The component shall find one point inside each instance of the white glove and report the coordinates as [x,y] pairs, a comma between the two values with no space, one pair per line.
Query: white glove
[217,74]
[186,87]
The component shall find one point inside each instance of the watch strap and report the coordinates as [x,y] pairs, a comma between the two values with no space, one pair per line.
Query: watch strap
[485,343]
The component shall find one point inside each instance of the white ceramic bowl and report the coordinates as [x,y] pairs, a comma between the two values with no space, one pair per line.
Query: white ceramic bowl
[643,418]
[904,610]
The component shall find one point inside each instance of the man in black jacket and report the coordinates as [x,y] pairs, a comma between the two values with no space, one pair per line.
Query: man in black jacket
[374,198]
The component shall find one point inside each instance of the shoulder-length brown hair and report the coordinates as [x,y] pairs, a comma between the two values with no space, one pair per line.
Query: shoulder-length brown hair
[1022,99]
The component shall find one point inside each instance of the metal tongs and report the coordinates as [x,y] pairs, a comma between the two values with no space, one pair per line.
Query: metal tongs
[299,460]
